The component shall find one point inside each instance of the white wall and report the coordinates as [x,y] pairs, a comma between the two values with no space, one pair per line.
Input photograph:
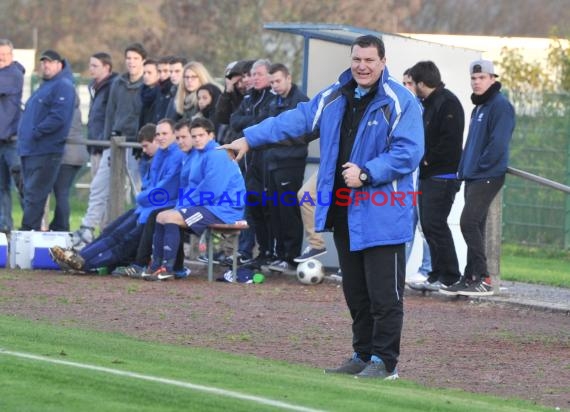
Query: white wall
[327,60]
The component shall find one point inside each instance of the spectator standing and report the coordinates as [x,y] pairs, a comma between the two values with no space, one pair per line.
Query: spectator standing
[150,93]
[121,118]
[43,128]
[11,84]
[483,167]
[194,75]
[101,72]
[444,121]
[74,158]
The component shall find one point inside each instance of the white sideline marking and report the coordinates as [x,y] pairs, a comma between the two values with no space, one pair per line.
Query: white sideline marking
[187,385]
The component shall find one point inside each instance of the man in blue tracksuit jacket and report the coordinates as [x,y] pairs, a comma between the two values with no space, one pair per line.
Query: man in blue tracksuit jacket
[483,166]
[43,128]
[371,140]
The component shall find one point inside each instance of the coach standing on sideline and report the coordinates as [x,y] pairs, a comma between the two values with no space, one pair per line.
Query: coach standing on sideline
[43,129]
[371,139]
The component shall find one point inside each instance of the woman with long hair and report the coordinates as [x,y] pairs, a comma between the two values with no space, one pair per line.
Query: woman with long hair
[186,100]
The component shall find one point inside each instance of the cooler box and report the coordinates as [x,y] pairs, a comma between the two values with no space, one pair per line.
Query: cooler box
[3,250]
[30,250]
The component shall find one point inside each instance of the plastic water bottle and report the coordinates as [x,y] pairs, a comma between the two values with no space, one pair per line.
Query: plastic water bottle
[258,278]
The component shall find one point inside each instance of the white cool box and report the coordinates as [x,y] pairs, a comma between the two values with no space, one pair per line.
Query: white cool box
[30,250]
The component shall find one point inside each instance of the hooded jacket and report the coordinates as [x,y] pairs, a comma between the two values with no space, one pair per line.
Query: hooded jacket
[124,108]
[11,84]
[486,152]
[389,143]
[99,93]
[46,120]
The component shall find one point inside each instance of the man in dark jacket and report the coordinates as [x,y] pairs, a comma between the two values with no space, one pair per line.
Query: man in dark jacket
[284,173]
[483,166]
[444,121]
[43,129]
[11,83]
[101,71]
[253,109]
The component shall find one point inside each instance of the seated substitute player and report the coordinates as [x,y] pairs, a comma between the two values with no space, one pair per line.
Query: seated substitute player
[213,195]
[118,243]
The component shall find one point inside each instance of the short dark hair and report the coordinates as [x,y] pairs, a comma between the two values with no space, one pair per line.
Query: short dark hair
[427,73]
[151,61]
[279,67]
[104,58]
[165,59]
[370,41]
[146,133]
[407,71]
[178,59]
[168,121]
[204,123]
[137,48]
[181,124]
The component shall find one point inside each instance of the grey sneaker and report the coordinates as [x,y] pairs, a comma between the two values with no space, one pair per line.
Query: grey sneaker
[481,288]
[280,266]
[351,366]
[132,271]
[310,253]
[426,286]
[376,369]
[82,237]
[453,290]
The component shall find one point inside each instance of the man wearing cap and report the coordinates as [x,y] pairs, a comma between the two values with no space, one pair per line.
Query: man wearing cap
[230,99]
[483,167]
[11,83]
[43,128]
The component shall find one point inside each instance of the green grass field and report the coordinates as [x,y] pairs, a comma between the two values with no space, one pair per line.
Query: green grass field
[47,368]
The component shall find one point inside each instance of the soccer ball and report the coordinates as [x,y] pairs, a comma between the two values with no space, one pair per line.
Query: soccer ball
[311,272]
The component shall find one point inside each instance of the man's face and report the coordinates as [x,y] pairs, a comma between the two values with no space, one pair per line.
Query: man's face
[176,73]
[200,137]
[280,83]
[260,77]
[184,139]
[134,63]
[409,83]
[50,68]
[240,84]
[97,70]
[164,135]
[366,65]
[150,74]
[149,148]
[480,82]
[163,71]
[6,56]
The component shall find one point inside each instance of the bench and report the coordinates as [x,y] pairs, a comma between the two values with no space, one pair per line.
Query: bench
[225,229]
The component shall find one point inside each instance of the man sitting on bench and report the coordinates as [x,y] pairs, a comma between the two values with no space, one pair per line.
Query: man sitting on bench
[214,194]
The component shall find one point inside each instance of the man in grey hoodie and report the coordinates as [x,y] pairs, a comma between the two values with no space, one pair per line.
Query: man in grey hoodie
[121,119]
[11,83]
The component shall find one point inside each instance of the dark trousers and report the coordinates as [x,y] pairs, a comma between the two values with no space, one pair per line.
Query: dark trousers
[285,215]
[257,209]
[9,168]
[435,202]
[117,244]
[61,188]
[478,197]
[39,174]
[373,285]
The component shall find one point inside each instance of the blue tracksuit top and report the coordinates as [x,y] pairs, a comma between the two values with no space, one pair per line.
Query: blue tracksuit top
[46,120]
[215,182]
[486,152]
[11,83]
[162,187]
[390,149]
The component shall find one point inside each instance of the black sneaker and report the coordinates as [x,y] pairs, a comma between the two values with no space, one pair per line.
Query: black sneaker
[453,290]
[376,369]
[481,288]
[351,366]
[310,253]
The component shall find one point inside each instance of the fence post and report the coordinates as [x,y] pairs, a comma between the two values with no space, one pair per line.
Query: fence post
[117,196]
[493,231]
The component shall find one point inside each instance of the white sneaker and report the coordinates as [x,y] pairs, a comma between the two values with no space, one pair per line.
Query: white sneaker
[416,278]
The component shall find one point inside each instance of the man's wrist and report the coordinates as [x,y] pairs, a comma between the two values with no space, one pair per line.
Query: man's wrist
[364,176]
